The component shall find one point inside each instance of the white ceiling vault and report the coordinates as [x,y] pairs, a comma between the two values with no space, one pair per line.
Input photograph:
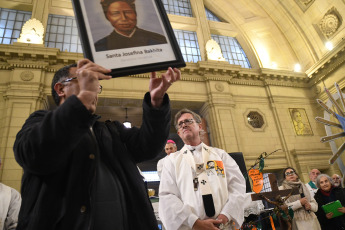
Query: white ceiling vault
[283,31]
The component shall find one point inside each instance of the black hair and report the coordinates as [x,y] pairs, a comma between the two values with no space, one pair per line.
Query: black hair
[287,169]
[58,76]
[106,3]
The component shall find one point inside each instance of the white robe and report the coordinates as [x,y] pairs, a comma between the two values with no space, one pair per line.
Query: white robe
[310,224]
[10,201]
[311,190]
[160,164]
[180,206]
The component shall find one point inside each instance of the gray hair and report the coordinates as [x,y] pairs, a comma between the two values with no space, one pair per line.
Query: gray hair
[196,117]
[323,175]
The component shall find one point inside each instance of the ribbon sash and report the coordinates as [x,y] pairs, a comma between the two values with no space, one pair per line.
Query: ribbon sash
[200,170]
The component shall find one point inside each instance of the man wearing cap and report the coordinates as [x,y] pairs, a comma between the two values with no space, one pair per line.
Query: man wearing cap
[123,17]
[201,187]
[170,147]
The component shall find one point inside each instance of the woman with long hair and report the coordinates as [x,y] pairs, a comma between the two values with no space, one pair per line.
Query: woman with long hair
[302,204]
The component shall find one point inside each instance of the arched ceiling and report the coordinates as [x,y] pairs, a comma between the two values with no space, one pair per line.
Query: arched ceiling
[284,32]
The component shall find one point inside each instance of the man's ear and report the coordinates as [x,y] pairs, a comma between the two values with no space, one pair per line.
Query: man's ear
[59,89]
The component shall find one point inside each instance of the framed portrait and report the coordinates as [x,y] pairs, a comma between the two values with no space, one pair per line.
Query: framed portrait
[127,36]
[300,122]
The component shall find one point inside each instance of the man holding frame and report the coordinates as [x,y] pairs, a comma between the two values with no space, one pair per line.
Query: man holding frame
[80,173]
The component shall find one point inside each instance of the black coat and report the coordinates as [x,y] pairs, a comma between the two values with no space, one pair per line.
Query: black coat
[58,152]
[329,224]
[140,38]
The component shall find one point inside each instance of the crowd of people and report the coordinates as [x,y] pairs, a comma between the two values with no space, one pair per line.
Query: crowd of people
[308,205]
[80,173]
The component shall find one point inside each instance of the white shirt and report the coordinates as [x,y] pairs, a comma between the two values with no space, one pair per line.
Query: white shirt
[180,206]
[311,190]
[10,201]
[160,166]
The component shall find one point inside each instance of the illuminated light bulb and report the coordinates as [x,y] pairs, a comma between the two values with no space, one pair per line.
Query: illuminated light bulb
[329,45]
[297,68]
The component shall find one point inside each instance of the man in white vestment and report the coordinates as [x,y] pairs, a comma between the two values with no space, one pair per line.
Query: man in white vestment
[10,201]
[201,187]
[311,185]
[170,147]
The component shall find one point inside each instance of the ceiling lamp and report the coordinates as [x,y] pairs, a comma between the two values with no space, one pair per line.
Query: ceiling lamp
[298,68]
[127,123]
[329,45]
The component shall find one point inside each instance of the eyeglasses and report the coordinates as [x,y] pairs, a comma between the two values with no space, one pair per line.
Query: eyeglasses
[289,173]
[75,78]
[186,122]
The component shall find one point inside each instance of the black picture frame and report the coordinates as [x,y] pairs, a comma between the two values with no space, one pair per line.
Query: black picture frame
[93,24]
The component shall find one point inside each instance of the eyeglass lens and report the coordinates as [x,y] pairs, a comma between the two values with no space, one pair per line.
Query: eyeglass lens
[186,121]
[289,173]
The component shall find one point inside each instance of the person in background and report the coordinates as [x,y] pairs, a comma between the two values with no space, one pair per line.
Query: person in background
[201,187]
[81,173]
[303,204]
[311,185]
[170,147]
[337,180]
[10,201]
[328,193]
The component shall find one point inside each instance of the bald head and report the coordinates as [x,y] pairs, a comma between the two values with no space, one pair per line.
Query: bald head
[313,174]
[337,180]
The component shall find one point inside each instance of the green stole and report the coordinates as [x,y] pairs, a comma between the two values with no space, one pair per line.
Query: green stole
[312,185]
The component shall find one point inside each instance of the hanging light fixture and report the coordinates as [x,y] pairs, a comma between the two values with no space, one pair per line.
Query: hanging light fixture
[126,123]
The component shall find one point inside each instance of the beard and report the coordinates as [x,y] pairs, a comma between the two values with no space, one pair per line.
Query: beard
[336,184]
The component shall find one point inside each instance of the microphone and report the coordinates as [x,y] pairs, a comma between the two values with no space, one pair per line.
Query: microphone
[302,196]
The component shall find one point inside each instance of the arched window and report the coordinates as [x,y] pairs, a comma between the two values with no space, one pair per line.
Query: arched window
[232,50]
[211,16]
[189,46]
[178,7]
[62,33]
[11,23]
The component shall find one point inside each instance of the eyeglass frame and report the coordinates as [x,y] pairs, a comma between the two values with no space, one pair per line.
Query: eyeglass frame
[290,173]
[186,122]
[75,78]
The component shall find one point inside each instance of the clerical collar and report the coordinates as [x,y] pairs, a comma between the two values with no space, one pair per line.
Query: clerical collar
[127,36]
[194,148]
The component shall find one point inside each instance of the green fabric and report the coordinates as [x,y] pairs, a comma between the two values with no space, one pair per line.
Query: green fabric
[312,185]
[261,164]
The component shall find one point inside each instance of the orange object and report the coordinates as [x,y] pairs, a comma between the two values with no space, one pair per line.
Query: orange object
[272,223]
[257,178]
